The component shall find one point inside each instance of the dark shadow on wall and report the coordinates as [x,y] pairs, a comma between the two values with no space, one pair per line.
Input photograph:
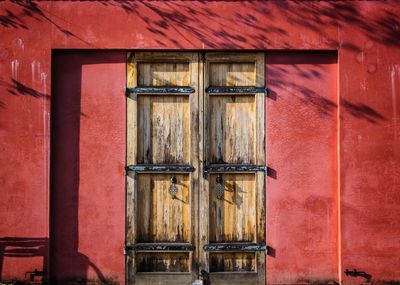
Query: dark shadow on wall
[20,247]
[68,265]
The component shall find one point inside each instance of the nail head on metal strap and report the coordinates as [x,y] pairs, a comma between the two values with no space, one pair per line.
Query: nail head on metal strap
[234,247]
[235,90]
[160,247]
[161,90]
[160,168]
[235,168]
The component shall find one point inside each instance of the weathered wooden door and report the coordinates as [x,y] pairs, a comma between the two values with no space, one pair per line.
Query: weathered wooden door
[195,168]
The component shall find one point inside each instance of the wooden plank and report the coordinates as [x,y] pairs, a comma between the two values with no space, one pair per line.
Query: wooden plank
[232,56]
[230,140]
[131,126]
[233,217]
[203,183]
[163,57]
[261,159]
[193,153]
[232,127]
[233,262]
[163,131]
[243,218]
[232,74]
[163,262]
[163,74]
[162,217]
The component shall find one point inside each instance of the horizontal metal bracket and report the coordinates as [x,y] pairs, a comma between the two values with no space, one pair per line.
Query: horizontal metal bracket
[216,247]
[235,168]
[160,168]
[236,90]
[161,90]
[159,247]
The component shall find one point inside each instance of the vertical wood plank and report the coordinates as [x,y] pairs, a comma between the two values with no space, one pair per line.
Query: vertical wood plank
[232,134]
[162,218]
[194,159]
[131,126]
[203,182]
[233,218]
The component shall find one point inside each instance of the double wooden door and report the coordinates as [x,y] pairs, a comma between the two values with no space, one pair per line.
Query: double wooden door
[195,168]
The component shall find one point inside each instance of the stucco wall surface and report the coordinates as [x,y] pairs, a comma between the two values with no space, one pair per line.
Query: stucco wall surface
[339,148]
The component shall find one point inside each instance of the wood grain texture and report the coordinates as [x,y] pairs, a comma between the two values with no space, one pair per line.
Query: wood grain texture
[234,134]
[162,218]
[232,128]
[197,129]
[233,262]
[163,74]
[163,129]
[163,262]
[233,218]
[232,74]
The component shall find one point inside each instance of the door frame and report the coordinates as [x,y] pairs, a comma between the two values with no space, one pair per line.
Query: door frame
[199,186]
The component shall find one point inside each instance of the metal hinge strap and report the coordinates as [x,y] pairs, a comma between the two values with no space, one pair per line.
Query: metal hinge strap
[161,90]
[160,168]
[236,90]
[234,168]
[234,247]
[160,247]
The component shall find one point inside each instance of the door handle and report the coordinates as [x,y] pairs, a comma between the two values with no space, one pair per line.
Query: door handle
[172,189]
[219,187]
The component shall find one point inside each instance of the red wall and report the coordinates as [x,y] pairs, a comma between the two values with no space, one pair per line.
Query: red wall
[340,159]
[302,153]
[87,165]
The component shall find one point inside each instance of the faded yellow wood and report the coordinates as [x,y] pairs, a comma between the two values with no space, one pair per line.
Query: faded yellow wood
[194,160]
[234,216]
[131,125]
[203,193]
[162,217]
[232,74]
[232,128]
[163,74]
[163,57]
[163,262]
[233,262]
[163,129]
[234,134]
[240,143]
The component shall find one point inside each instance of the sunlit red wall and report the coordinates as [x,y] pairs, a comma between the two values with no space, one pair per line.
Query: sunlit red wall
[332,130]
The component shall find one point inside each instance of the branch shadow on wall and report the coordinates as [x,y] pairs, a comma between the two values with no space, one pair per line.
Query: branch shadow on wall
[175,23]
[190,21]
[283,66]
[32,11]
